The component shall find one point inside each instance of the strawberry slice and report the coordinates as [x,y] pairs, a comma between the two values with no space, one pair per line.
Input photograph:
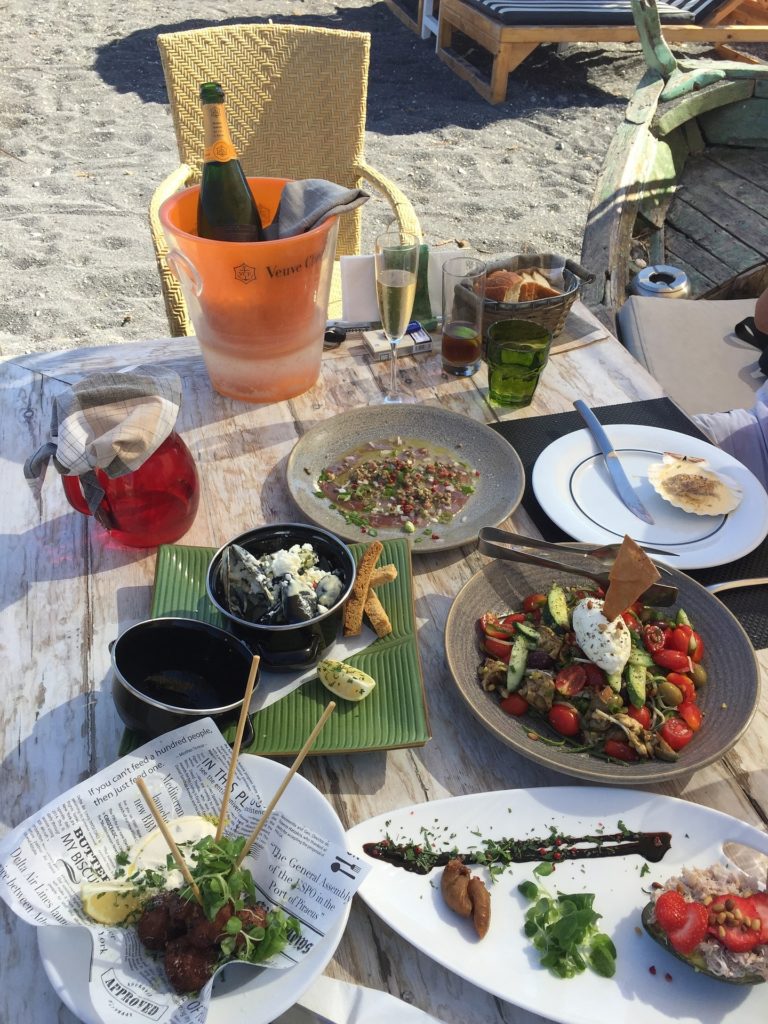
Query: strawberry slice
[671,911]
[729,929]
[693,930]
[760,900]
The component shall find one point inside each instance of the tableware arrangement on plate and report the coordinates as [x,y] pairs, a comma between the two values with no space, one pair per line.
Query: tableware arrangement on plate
[728,700]
[393,715]
[516,353]
[462,331]
[505,962]
[572,485]
[494,473]
[397,262]
[241,995]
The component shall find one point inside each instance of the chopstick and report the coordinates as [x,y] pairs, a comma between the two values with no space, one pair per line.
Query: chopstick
[281,788]
[236,745]
[181,863]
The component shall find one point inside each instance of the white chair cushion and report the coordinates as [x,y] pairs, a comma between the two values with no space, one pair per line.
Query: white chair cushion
[689,346]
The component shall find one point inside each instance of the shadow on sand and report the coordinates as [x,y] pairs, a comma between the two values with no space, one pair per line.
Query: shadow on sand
[409,90]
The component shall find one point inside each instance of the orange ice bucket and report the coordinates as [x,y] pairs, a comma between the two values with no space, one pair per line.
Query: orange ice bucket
[258,308]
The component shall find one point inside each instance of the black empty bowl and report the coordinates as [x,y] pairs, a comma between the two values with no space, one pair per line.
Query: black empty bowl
[171,671]
[296,645]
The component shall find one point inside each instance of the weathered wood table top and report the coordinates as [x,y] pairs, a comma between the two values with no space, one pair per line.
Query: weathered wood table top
[66,592]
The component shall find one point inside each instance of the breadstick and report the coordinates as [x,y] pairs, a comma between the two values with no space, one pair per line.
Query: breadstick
[383,574]
[378,617]
[353,609]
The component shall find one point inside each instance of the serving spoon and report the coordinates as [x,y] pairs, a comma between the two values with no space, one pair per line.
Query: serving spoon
[658,594]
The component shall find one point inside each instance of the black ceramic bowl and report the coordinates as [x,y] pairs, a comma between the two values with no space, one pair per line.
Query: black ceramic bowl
[297,645]
[171,671]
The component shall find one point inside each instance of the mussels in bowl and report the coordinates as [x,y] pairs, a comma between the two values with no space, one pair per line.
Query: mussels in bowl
[281,589]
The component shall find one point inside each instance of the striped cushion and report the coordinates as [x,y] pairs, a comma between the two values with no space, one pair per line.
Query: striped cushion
[585,12]
[699,9]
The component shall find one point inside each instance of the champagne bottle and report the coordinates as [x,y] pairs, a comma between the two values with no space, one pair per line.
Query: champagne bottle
[226,209]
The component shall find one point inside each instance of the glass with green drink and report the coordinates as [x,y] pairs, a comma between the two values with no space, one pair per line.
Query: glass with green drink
[516,353]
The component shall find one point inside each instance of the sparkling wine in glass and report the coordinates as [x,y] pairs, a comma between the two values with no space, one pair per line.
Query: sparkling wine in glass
[397,261]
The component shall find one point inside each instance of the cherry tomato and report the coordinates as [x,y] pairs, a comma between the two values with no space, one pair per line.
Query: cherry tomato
[564,719]
[653,637]
[679,639]
[690,714]
[510,620]
[697,653]
[632,621]
[515,705]
[620,750]
[641,715]
[672,661]
[595,675]
[684,685]
[534,601]
[676,733]
[571,680]
[499,649]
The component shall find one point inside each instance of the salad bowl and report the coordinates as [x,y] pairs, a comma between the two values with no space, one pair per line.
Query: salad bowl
[727,701]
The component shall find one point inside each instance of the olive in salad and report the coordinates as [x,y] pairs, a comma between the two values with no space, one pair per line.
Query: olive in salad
[625,690]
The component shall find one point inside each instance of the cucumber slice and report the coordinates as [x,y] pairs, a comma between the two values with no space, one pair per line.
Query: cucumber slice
[681,618]
[614,680]
[528,631]
[518,659]
[634,676]
[637,656]
[558,606]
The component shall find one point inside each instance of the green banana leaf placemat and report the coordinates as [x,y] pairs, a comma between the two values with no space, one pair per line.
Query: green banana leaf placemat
[395,713]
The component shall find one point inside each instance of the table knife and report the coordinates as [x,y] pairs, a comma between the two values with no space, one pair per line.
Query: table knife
[621,483]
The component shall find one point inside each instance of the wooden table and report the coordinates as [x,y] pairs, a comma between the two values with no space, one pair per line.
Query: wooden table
[67,592]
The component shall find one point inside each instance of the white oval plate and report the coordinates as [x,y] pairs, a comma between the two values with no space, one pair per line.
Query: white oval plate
[241,994]
[572,485]
[504,963]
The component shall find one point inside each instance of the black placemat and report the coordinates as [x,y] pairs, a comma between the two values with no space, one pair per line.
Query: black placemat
[529,437]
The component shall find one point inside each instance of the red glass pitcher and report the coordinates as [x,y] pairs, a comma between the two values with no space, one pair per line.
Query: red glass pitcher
[155,504]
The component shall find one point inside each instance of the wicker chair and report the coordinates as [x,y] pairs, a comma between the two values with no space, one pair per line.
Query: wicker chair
[296,106]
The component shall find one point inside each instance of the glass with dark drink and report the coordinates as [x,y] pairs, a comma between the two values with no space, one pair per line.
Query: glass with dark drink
[463,299]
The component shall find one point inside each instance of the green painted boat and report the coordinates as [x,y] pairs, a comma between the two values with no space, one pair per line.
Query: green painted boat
[685,180]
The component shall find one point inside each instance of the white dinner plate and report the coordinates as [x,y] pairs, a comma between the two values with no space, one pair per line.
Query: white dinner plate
[504,963]
[241,994]
[572,485]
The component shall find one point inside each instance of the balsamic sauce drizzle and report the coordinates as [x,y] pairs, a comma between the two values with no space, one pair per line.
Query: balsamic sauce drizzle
[421,858]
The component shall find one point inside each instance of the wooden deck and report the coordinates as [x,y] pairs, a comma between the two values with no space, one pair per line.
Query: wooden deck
[717,223]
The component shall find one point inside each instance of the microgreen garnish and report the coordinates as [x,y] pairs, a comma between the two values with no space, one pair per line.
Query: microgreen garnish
[563,928]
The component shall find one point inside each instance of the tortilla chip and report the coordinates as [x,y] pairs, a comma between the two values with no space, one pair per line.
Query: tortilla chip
[631,575]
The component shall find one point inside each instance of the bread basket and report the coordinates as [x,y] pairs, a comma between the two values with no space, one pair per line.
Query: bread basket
[552,312]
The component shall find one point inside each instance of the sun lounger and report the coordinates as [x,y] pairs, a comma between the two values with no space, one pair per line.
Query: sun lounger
[510,30]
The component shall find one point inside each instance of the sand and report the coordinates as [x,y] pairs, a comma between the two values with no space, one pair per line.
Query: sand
[87,135]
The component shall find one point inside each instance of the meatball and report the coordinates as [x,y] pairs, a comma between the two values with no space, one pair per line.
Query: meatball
[156,927]
[187,967]
[250,917]
[203,933]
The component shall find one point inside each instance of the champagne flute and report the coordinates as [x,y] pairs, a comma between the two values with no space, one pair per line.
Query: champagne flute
[397,261]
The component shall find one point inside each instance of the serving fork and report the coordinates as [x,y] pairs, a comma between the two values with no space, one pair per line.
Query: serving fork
[658,594]
[606,553]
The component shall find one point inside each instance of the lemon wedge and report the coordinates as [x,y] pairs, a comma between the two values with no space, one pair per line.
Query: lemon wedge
[110,903]
[345,681]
